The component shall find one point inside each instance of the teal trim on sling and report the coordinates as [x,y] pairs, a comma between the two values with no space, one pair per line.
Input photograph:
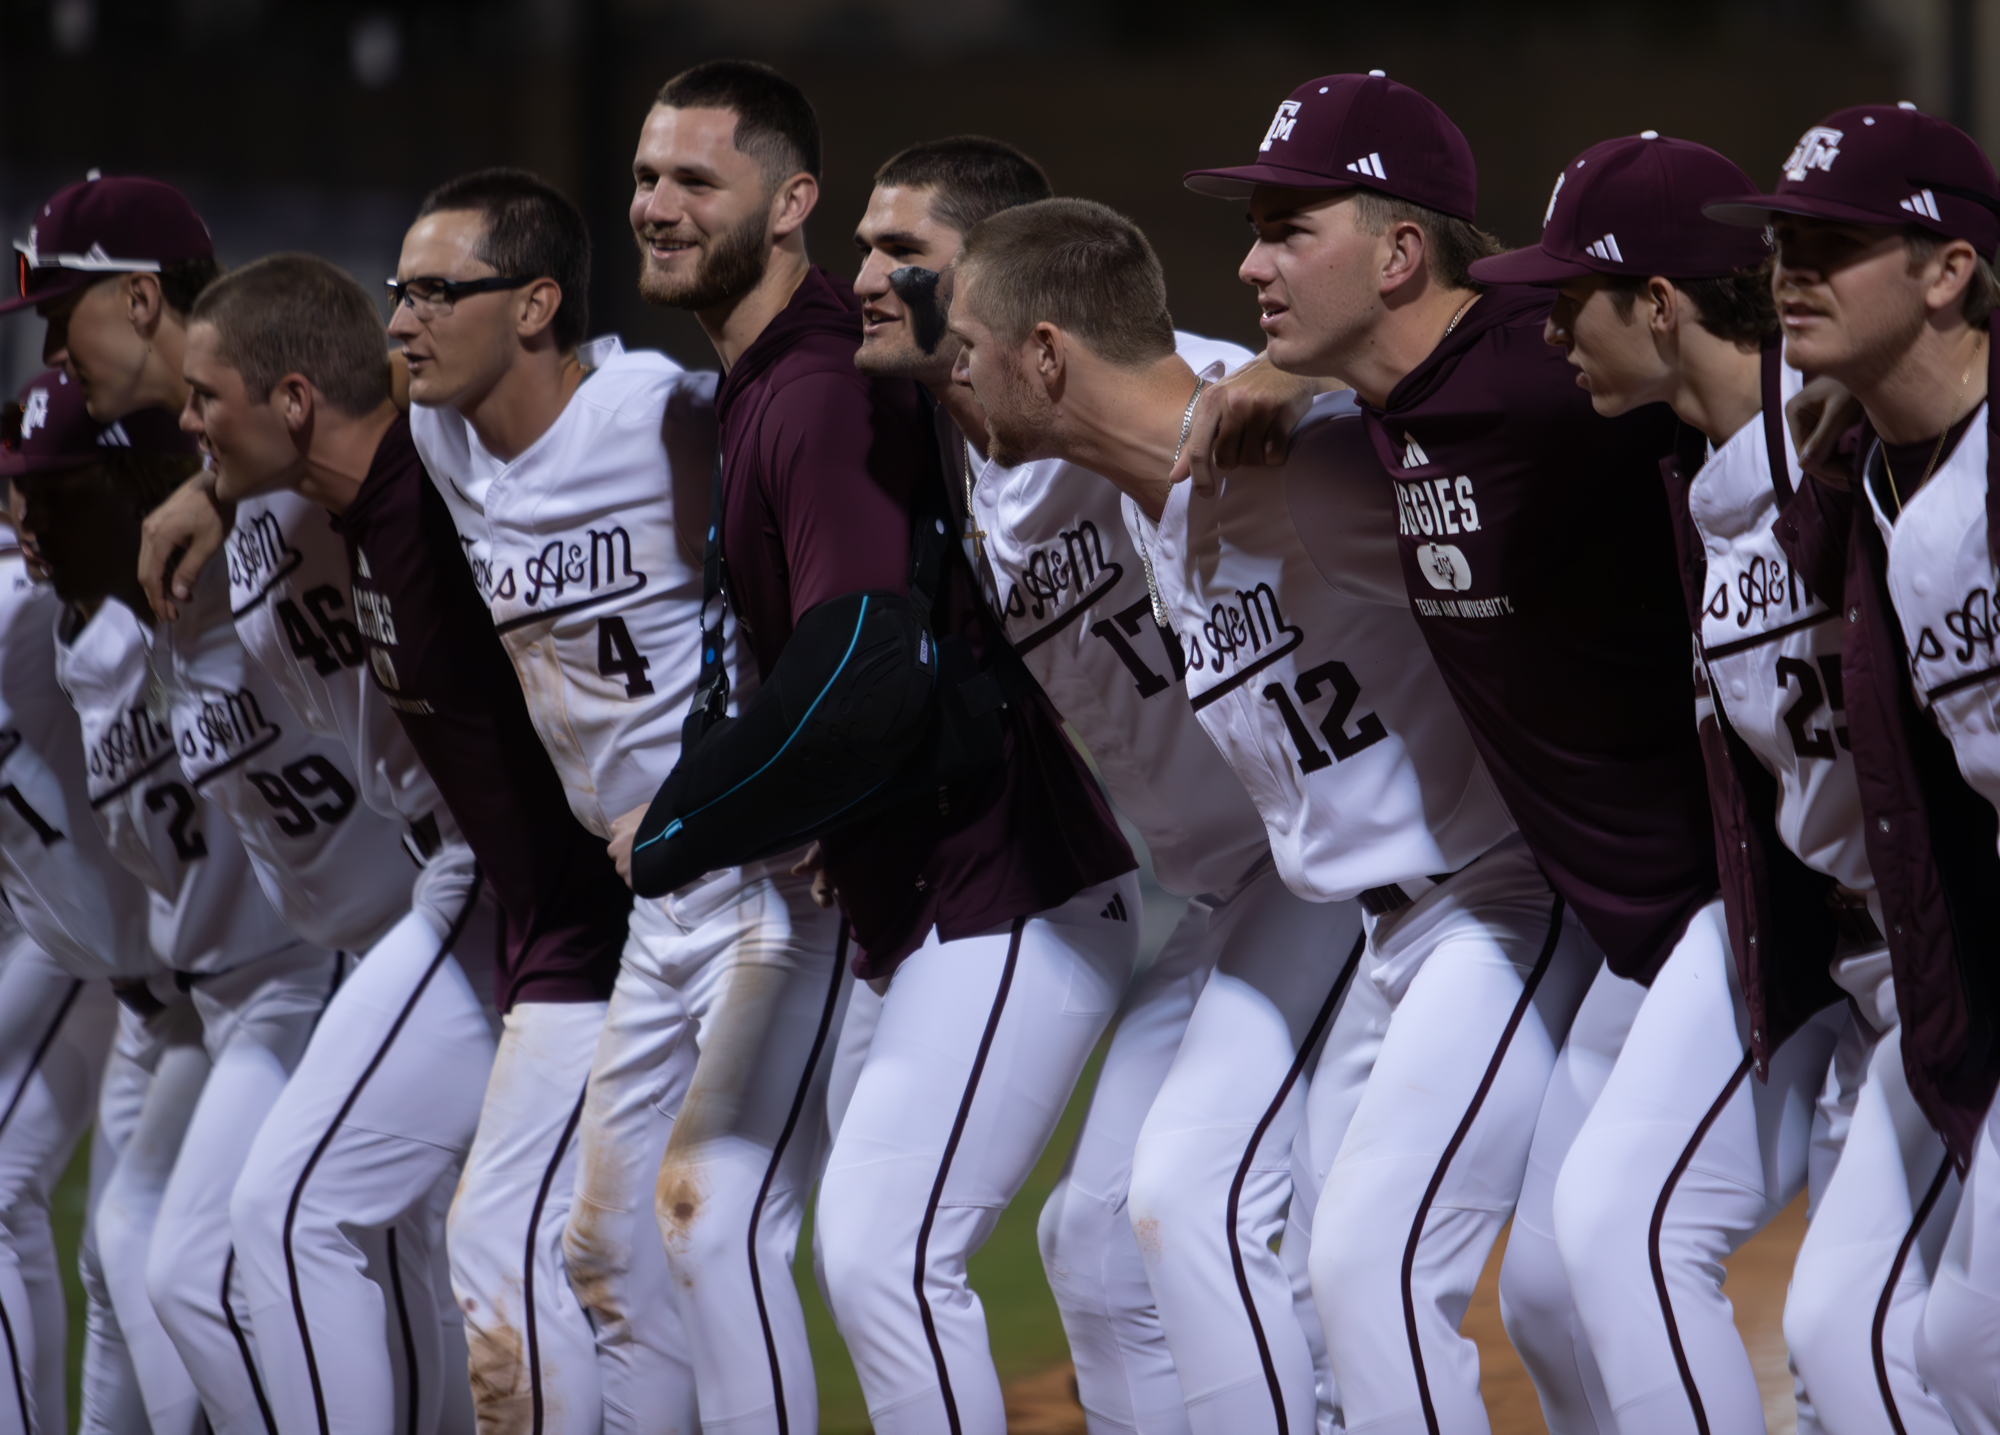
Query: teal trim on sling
[675,826]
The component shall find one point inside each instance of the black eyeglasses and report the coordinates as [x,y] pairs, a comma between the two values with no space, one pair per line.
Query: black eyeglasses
[430,296]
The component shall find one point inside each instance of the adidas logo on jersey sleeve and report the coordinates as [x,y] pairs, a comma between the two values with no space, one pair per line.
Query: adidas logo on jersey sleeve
[1370,165]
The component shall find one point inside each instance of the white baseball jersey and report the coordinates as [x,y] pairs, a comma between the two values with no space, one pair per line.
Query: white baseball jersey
[1943,583]
[290,592]
[72,897]
[1772,647]
[1315,682]
[335,868]
[592,590]
[1071,590]
[208,914]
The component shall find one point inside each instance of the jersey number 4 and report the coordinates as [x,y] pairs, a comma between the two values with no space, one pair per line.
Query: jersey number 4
[619,657]
[329,644]
[1346,692]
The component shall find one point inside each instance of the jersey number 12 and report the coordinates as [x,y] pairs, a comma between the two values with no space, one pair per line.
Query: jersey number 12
[1346,692]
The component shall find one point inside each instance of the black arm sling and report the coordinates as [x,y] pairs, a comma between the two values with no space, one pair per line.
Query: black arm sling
[865,711]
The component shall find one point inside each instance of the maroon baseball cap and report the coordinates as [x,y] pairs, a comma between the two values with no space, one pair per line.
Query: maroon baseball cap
[112,224]
[1634,206]
[1883,164]
[48,430]
[1357,132]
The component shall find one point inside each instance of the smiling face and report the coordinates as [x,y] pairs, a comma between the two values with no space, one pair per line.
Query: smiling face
[1020,417]
[898,231]
[1848,296]
[1317,278]
[701,210]
[247,440]
[91,337]
[454,358]
[1616,360]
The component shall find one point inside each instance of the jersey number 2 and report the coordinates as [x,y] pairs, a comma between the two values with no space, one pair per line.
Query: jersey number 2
[1346,692]
[1809,741]
[619,657]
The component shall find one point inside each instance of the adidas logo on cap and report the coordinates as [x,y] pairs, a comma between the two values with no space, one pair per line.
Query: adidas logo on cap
[1607,248]
[1370,165]
[1923,202]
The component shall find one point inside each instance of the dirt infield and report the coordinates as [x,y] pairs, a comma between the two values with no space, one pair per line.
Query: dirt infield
[1045,1403]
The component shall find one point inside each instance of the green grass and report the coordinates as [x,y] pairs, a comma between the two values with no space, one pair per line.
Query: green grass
[1020,1314]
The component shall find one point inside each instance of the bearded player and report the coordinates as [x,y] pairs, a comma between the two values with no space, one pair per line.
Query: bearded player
[1887,223]
[992,925]
[578,492]
[1070,585]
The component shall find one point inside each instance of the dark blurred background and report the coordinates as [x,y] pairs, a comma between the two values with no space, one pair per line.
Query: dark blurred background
[320,126]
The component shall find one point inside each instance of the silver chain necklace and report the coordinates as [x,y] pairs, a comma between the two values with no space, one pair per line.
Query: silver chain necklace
[1145,554]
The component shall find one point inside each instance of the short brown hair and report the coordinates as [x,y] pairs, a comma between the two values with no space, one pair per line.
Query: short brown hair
[1736,307]
[1980,295]
[775,122]
[299,314]
[969,177]
[532,230]
[1451,244]
[1076,264]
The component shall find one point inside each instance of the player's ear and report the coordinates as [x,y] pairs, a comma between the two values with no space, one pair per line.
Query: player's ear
[143,305]
[539,303]
[791,204]
[1404,255]
[1664,304]
[1048,355]
[292,401]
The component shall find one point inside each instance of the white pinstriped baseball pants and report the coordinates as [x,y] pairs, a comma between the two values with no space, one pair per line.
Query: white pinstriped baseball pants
[55,1032]
[973,1056]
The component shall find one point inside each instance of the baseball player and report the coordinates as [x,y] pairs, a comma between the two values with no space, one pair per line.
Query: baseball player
[434,660]
[999,918]
[1677,308]
[345,1159]
[210,923]
[331,865]
[578,499]
[1070,586]
[1315,690]
[1887,221]
[1566,657]
[85,926]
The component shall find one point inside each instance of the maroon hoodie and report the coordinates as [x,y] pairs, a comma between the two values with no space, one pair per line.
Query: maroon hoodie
[819,461]
[1540,565]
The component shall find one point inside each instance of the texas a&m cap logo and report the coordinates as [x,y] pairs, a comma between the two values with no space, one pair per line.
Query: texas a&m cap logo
[1281,124]
[1885,165]
[1357,132]
[1817,148]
